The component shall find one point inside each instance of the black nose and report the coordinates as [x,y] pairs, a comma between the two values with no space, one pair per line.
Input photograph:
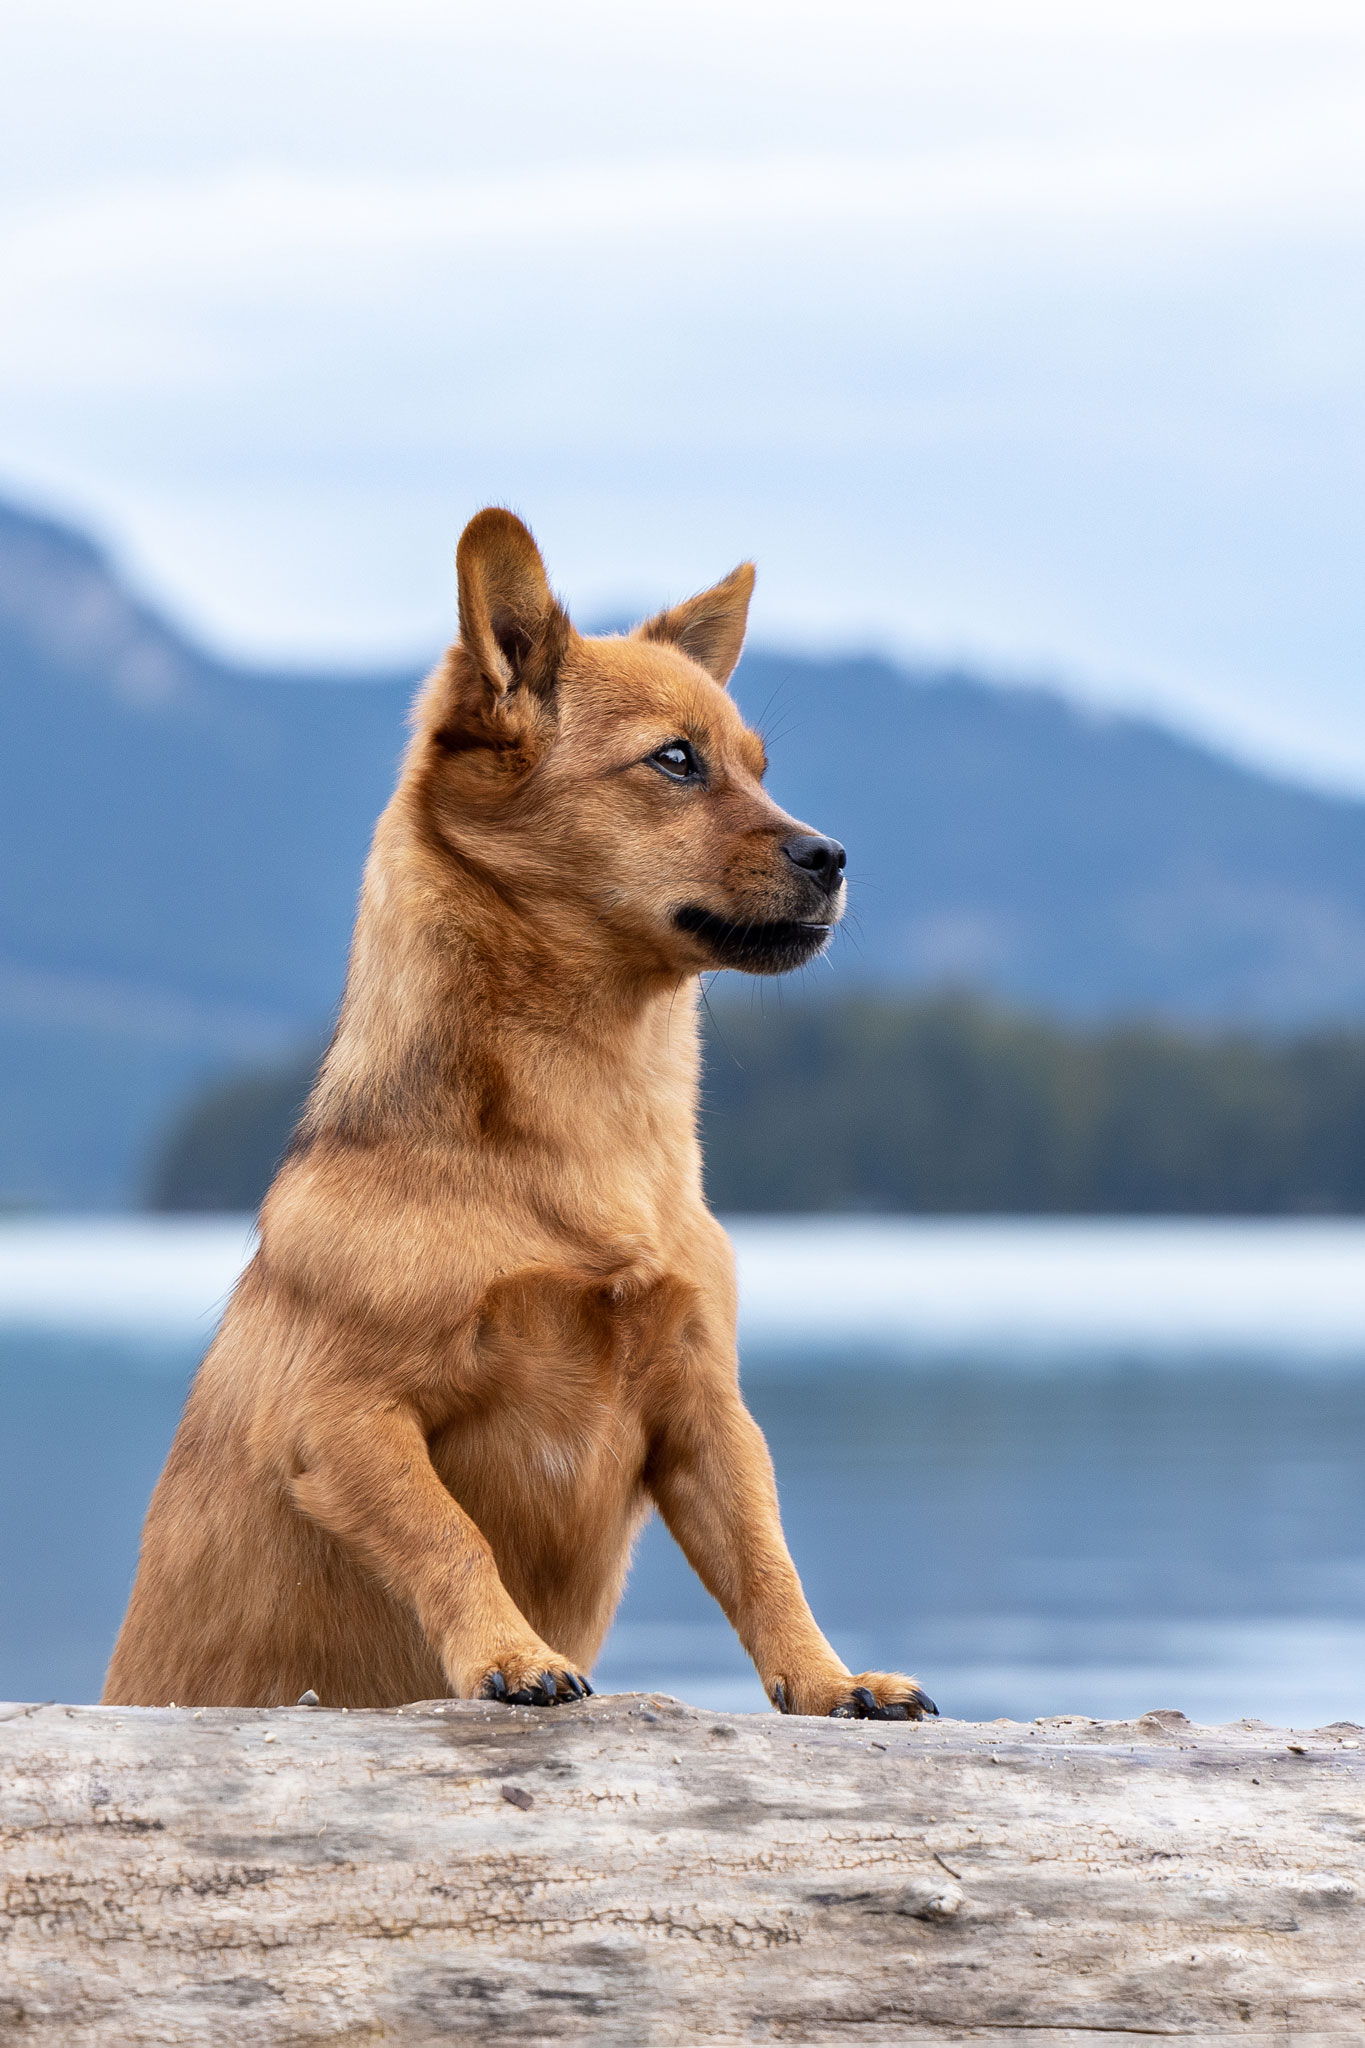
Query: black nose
[824,860]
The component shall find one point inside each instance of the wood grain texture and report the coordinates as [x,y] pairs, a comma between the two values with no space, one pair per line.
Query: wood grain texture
[632,1871]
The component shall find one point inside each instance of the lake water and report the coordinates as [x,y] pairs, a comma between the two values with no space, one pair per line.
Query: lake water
[1047,1466]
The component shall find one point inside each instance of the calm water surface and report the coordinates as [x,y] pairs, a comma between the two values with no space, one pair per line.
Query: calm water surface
[1036,1502]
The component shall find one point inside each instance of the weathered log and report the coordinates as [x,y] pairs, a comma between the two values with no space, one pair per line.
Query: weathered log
[633,1871]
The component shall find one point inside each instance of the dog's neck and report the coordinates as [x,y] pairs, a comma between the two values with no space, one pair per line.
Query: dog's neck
[461,1030]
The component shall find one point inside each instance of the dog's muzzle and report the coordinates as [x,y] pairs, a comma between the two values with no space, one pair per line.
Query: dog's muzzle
[771,946]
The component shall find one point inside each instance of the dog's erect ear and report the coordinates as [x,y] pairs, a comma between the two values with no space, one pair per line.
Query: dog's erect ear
[709,627]
[511,626]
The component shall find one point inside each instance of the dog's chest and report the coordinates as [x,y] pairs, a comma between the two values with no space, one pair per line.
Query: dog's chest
[562,1325]
[560,1395]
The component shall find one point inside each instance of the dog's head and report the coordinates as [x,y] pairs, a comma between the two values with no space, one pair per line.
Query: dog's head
[611,781]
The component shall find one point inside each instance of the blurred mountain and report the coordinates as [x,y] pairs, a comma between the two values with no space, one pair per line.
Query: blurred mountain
[181,844]
[182,840]
[1086,863]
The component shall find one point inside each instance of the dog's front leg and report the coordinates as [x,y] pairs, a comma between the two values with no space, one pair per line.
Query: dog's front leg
[712,1478]
[365,1476]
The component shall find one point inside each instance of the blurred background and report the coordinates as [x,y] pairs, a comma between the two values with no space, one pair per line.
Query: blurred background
[1022,346]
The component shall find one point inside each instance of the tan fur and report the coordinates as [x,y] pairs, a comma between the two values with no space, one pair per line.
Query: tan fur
[491,1321]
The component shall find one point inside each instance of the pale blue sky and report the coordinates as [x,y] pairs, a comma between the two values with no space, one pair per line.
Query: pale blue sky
[1031,334]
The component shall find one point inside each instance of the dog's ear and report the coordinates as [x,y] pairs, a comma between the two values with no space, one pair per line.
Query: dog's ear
[511,626]
[493,696]
[709,627]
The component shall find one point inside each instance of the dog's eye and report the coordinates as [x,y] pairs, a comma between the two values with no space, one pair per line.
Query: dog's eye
[677,761]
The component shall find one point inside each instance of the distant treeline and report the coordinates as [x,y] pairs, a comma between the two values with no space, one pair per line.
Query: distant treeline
[943,1105]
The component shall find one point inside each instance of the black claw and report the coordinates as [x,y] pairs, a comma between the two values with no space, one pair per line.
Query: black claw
[522,1698]
[548,1687]
[494,1687]
[862,1703]
[578,1686]
[780,1697]
[587,1689]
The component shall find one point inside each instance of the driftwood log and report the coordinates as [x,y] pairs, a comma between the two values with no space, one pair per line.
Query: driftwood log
[633,1871]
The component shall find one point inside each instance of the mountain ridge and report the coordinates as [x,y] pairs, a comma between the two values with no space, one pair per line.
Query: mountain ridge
[182,842]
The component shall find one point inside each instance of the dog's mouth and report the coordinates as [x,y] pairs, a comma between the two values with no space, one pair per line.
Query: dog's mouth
[773,946]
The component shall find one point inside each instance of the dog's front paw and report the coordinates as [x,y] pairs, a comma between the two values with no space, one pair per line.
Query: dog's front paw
[539,1680]
[868,1696]
[882,1696]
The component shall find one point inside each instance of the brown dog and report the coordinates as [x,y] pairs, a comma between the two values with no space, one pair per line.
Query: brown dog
[491,1320]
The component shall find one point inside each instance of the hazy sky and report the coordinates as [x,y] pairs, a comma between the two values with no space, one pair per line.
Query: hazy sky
[1027,333]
